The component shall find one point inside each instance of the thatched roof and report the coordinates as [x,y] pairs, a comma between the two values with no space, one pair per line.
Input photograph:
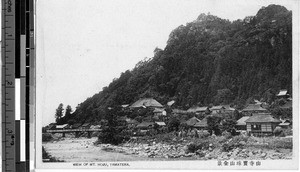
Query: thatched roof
[76,125]
[61,126]
[145,124]
[282,93]
[192,121]
[86,124]
[158,110]
[254,107]
[217,108]
[262,118]
[179,111]
[242,120]
[161,123]
[228,108]
[202,123]
[146,102]
[197,109]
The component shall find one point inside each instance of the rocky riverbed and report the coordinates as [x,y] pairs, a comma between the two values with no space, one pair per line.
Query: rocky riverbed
[87,150]
[180,151]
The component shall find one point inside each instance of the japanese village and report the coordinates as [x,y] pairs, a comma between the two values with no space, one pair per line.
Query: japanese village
[219,90]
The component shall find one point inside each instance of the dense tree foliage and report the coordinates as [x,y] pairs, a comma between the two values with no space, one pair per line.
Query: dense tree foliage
[59,114]
[209,60]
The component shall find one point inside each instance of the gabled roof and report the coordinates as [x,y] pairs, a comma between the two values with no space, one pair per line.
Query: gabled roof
[161,123]
[131,121]
[217,108]
[170,103]
[282,93]
[254,107]
[124,106]
[145,124]
[76,125]
[146,102]
[197,109]
[202,123]
[178,111]
[192,121]
[262,118]
[228,108]
[242,120]
[284,124]
[61,126]
[85,124]
[158,110]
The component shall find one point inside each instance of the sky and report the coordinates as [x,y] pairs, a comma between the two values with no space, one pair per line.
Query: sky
[82,45]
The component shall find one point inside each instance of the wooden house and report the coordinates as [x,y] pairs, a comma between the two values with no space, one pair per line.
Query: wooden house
[241,124]
[62,127]
[197,110]
[76,125]
[159,112]
[285,124]
[283,94]
[161,124]
[85,126]
[192,121]
[145,125]
[201,124]
[261,124]
[217,109]
[254,108]
[146,103]
[51,126]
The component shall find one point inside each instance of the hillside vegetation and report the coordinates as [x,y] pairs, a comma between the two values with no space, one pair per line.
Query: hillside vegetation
[208,61]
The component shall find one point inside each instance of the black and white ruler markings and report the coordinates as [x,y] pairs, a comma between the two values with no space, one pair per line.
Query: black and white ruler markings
[17,52]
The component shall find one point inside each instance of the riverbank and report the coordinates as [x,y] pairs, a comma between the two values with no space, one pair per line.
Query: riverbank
[82,149]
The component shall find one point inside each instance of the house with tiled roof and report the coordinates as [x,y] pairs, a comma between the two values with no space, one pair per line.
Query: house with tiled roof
[241,124]
[254,108]
[146,102]
[262,124]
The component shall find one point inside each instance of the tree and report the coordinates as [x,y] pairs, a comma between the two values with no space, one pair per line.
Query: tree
[228,124]
[213,123]
[59,113]
[114,132]
[173,124]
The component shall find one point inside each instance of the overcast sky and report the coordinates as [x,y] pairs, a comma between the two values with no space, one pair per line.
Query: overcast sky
[83,44]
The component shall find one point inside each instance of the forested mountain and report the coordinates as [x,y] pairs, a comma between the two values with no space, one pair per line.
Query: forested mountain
[208,61]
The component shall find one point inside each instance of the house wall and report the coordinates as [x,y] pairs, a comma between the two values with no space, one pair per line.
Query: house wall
[265,127]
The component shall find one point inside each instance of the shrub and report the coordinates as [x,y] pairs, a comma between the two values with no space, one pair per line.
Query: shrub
[227,135]
[226,147]
[198,145]
[288,132]
[285,143]
[46,137]
[278,131]
[203,134]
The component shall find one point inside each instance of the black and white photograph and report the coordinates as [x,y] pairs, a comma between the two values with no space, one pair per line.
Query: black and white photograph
[167,84]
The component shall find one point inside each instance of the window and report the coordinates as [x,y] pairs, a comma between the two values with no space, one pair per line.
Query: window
[255,127]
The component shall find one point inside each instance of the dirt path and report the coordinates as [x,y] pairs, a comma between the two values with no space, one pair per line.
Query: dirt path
[83,150]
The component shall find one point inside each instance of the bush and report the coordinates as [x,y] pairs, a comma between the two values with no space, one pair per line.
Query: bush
[278,131]
[203,134]
[227,135]
[46,137]
[197,145]
[285,143]
[288,132]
